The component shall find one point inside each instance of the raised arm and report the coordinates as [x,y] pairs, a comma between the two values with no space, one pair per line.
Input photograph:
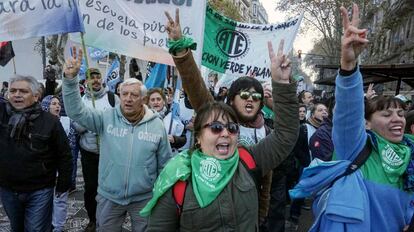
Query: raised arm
[193,83]
[273,149]
[348,133]
[87,117]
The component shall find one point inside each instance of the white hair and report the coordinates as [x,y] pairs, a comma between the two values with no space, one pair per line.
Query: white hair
[33,84]
[133,81]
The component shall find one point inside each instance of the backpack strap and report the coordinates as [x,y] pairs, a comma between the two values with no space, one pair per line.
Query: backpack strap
[111,98]
[247,158]
[179,194]
[358,161]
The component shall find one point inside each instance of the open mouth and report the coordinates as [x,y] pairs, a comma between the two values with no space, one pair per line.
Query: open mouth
[249,108]
[223,148]
[397,130]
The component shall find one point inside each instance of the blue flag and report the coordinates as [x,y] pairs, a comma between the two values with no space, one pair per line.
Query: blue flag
[157,76]
[97,54]
[82,70]
[112,77]
[176,105]
[27,19]
[175,108]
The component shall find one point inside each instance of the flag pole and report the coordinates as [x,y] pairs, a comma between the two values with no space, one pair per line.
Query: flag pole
[43,39]
[173,111]
[107,65]
[88,75]
[14,66]
[87,68]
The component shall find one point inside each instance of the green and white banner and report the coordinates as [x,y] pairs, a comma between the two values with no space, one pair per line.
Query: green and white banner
[240,49]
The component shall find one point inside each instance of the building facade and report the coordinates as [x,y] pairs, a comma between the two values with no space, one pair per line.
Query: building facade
[251,11]
[391,32]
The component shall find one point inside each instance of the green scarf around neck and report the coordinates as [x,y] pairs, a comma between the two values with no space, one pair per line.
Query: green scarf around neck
[394,158]
[209,176]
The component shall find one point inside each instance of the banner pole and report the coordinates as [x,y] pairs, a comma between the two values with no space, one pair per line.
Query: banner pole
[87,69]
[172,106]
[14,66]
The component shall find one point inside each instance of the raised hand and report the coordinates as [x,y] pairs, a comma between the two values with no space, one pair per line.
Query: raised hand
[354,39]
[72,65]
[173,27]
[370,92]
[280,64]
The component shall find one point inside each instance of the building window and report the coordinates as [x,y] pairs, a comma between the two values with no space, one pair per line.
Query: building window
[254,10]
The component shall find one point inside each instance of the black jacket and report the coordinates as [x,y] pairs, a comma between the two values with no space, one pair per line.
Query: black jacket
[32,163]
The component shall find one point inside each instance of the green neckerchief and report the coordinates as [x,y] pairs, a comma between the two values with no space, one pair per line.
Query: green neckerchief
[210,175]
[394,158]
[215,173]
[178,168]
[268,113]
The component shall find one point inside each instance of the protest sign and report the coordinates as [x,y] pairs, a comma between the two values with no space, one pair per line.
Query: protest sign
[240,49]
[22,19]
[137,28]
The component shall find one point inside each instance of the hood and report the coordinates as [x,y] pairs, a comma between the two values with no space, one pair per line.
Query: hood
[46,102]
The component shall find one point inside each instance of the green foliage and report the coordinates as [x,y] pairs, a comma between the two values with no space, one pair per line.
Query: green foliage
[324,17]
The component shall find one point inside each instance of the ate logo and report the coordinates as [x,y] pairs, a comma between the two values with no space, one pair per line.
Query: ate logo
[232,43]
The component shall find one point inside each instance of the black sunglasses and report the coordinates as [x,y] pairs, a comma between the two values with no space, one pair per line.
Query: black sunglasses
[246,94]
[218,127]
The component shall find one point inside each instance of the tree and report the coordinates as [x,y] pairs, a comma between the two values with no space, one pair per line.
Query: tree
[324,17]
[226,8]
[55,47]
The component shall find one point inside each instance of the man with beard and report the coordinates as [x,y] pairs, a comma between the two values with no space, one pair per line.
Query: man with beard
[100,99]
[306,98]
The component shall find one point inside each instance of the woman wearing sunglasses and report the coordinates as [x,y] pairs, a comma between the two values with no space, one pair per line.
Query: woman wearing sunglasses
[221,191]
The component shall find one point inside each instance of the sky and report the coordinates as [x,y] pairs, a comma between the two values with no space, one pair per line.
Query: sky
[303,42]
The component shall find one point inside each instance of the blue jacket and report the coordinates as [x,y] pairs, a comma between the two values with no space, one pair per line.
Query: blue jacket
[320,143]
[356,202]
[131,156]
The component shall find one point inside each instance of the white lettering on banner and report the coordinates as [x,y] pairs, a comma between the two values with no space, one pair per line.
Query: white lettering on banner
[149,137]
[116,131]
[137,28]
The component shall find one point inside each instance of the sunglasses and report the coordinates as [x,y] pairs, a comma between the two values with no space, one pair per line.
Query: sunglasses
[246,94]
[218,127]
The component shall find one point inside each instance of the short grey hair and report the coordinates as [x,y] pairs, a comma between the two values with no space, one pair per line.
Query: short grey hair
[34,85]
[133,81]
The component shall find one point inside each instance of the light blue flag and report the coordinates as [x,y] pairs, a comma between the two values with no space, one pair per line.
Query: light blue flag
[112,77]
[97,54]
[39,18]
[175,108]
[82,70]
[176,105]
[157,77]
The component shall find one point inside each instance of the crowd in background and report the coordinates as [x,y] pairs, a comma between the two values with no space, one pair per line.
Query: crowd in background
[135,144]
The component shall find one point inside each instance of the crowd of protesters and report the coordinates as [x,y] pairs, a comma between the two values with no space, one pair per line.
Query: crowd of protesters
[230,160]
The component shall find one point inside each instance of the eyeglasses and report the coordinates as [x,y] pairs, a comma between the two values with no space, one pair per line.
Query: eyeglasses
[218,127]
[246,94]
